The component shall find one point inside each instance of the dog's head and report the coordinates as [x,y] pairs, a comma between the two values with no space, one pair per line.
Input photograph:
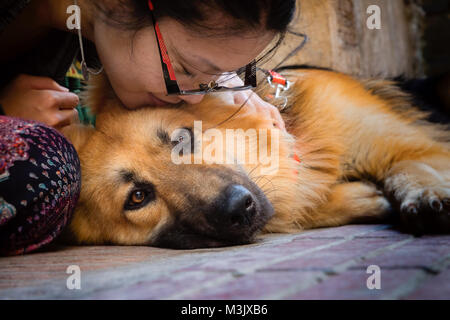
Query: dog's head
[142,185]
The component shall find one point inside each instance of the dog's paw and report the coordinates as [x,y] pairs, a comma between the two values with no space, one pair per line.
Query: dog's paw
[426,210]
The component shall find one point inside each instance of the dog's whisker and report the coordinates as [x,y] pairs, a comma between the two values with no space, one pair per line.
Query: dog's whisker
[258,178]
[268,181]
[234,113]
[268,193]
[253,170]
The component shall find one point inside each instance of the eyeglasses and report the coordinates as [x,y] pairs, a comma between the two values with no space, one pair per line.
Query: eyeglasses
[169,74]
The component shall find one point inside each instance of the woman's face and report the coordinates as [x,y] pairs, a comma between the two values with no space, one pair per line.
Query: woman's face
[132,63]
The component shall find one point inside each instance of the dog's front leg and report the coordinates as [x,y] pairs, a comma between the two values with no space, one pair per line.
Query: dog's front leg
[351,202]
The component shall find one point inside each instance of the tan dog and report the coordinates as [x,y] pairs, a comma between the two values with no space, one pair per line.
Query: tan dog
[355,152]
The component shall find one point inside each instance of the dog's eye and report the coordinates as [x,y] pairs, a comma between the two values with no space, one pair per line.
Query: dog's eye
[138,198]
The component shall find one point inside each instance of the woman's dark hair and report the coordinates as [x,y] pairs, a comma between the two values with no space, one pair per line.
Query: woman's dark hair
[198,15]
[272,15]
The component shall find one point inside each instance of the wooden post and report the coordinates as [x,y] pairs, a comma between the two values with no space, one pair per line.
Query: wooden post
[341,40]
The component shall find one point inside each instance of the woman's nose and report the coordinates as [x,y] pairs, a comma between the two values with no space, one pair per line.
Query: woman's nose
[192,99]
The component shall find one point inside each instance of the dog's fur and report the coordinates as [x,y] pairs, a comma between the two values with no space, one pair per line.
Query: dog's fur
[365,154]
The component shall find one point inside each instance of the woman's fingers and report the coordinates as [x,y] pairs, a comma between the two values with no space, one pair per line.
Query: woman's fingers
[65,117]
[58,108]
[65,100]
[240,97]
[255,105]
[275,114]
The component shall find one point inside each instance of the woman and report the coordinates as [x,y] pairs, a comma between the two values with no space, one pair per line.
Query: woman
[205,39]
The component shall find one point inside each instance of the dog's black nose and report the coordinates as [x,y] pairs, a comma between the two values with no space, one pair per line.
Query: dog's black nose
[238,207]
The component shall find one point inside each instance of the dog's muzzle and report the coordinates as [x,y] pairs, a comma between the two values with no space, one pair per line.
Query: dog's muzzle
[233,218]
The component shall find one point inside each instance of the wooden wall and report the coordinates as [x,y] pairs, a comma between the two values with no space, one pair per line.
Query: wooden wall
[340,39]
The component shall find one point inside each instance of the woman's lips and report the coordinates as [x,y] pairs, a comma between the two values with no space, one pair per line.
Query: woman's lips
[154,101]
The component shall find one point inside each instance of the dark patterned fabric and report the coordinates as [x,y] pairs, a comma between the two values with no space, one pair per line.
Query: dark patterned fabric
[40,182]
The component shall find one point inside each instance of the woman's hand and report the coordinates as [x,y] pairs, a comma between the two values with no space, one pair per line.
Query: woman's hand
[41,99]
[253,103]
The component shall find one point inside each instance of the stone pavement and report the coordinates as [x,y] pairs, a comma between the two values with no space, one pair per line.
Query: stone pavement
[318,264]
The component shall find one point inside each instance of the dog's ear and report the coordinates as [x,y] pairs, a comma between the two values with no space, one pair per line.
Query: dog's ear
[78,134]
[102,100]
[99,93]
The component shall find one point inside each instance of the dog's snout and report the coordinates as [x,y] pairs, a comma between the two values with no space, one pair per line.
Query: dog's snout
[234,216]
[238,207]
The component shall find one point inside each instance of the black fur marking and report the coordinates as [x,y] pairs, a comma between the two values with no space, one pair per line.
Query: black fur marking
[127,176]
[301,66]
[163,135]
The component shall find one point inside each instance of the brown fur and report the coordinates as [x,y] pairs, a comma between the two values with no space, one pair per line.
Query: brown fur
[364,151]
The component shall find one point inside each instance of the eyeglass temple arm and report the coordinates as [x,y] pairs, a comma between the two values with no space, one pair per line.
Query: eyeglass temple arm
[250,74]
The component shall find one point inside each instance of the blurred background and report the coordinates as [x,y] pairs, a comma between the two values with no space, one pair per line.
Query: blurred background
[413,42]
[414,39]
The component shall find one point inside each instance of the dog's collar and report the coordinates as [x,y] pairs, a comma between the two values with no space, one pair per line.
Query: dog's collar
[297,159]
[280,84]
[86,116]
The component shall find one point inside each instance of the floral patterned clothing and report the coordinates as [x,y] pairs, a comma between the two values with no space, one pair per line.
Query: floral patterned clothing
[40,182]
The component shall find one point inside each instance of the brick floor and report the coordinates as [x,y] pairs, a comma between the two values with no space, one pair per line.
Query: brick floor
[318,264]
